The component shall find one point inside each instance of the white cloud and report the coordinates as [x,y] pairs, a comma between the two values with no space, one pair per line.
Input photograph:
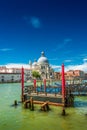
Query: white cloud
[55,66]
[85,60]
[6,49]
[67,60]
[15,65]
[35,22]
[82,67]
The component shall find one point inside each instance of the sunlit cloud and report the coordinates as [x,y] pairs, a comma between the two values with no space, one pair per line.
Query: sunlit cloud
[6,49]
[82,67]
[56,68]
[17,65]
[85,60]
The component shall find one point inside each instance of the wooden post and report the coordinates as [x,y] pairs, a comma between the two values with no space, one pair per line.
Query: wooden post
[32,104]
[45,107]
[63,112]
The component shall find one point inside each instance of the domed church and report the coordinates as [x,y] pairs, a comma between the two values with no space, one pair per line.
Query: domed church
[42,66]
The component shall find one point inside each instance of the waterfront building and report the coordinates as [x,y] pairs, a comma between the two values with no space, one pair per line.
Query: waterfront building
[10,77]
[13,74]
[75,74]
[85,76]
[57,75]
[71,75]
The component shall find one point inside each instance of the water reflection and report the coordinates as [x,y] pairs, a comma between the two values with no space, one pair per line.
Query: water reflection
[80,104]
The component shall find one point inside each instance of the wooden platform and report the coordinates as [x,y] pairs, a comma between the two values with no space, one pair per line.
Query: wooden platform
[40,98]
[50,103]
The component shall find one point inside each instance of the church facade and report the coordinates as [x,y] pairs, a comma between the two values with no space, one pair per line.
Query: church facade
[43,67]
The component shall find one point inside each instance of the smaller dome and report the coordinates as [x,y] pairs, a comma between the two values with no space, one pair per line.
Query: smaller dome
[35,63]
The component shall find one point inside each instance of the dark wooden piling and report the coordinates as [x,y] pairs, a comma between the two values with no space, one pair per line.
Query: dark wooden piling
[26,104]
[15,102]
[32,104]
[45,106]
[63,112]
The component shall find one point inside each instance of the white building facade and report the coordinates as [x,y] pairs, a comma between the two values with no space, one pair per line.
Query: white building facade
[43,67]
[13,74]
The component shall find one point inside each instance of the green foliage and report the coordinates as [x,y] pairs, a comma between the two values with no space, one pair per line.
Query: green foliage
[36,74]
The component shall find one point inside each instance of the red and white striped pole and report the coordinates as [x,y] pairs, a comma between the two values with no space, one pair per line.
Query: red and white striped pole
[63,83]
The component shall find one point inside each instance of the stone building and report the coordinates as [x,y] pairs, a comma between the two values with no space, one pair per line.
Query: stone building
[71,75]
[13,74]
[43,67]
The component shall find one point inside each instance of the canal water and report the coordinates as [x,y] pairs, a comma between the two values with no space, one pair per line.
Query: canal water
[18,118]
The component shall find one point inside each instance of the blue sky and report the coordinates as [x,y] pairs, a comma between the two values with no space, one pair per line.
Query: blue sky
[57,27]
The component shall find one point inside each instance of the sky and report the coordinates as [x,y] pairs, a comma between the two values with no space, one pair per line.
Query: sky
[57,27]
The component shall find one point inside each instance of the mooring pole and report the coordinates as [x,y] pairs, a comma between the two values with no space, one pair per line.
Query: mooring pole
[35,85]
[22,83]
[44,85]
[63,84]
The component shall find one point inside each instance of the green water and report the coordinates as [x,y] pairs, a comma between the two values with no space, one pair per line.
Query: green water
[18,118]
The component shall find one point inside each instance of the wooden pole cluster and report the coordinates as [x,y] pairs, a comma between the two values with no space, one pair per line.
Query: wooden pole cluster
[45,106]
[29,104]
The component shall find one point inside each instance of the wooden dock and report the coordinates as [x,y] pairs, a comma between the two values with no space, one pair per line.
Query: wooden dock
[50,103]
[40,98]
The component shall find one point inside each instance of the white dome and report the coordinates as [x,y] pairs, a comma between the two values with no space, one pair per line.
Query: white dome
[43,59]
[35,63]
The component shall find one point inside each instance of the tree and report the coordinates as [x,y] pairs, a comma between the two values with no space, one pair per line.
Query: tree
[36,74]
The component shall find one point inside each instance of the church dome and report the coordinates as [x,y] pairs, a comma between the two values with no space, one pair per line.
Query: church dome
[34,63]
[43,59]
